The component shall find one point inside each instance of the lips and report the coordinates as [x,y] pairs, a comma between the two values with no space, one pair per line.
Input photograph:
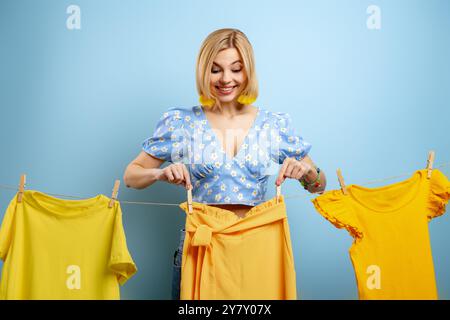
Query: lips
[225,90]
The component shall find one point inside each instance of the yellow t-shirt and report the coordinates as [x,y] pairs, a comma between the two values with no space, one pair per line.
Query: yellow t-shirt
[226,257]
[391,252]
[63,249]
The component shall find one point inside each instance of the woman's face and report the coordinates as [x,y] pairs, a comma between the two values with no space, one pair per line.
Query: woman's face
[228,77]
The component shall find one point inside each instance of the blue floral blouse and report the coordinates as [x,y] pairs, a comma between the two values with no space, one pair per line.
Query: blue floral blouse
[183,135]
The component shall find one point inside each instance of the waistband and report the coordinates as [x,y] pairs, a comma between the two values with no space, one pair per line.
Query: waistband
[228,215]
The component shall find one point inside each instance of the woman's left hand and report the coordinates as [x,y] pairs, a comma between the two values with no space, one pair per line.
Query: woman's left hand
[294,169]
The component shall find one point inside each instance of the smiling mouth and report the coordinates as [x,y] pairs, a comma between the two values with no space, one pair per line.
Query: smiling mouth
[225,90]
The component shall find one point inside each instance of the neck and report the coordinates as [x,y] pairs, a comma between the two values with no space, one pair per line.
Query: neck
[232,108]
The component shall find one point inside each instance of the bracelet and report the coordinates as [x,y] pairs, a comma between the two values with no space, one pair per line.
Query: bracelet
[316,182]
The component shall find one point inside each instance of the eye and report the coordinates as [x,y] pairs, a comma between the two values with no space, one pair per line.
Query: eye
[236,71]
[215,71]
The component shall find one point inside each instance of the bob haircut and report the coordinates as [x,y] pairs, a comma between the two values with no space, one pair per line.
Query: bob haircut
[219,40]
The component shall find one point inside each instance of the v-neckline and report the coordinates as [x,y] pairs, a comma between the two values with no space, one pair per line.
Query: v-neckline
[239,151]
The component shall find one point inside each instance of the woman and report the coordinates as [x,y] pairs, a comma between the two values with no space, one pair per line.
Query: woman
[229,144]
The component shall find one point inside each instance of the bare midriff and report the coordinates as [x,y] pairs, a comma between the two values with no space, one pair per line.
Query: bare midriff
[239,209]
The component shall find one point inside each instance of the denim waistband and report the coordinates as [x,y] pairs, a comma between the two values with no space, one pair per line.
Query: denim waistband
[182,235]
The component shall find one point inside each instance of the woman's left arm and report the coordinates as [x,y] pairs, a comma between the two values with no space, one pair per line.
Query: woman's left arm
[305,171]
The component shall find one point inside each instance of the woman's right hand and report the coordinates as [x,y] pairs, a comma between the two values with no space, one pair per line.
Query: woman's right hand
[176,173]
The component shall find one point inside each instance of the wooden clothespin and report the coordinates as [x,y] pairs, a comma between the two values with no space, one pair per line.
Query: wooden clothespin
[23,180]
[278,192]
[341,181]
[114,193]
[430,161]
[189,200]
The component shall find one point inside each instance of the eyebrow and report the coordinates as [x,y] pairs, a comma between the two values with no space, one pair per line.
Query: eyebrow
[232,63]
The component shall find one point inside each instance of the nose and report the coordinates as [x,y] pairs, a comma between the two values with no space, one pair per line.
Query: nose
[226,77]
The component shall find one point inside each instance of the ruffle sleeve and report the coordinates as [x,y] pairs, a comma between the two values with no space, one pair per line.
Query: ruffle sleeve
[168,141]
[438,195]
[289,142]
[332,207]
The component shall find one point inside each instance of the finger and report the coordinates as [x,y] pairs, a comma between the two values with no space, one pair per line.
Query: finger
[179,173]
[289,169]
[283,168]
[187,178]
[169,175]
[299,172]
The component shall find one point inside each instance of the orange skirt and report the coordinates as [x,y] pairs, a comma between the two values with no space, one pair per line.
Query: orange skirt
[227,257]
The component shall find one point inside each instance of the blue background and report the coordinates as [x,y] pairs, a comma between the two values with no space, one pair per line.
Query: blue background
[76,105]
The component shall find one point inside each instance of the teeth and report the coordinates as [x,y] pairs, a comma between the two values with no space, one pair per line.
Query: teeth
[226,89]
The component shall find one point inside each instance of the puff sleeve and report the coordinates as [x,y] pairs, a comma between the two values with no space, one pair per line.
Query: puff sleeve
[439,194]
[289,143]
[120,262]
[332,207]
[168,141]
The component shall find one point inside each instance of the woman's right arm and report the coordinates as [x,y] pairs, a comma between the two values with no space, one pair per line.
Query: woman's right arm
[145,170]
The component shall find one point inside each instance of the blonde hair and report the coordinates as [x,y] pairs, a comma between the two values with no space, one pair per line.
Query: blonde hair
[219,40]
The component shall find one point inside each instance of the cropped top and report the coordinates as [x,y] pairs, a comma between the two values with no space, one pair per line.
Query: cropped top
[184,135]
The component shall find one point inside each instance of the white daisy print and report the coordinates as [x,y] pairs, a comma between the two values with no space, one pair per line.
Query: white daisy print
[213,156]
[227,199]
[209,192]
[254,193]
[243,179]
[233,173]
[171,128]
[235,189]
[248,185]
[164,149]
[187,118]
[153,148]
[248,157]
[223,187]
[218,164]
[218,197]
[228,166]
[240,196]
[206,186]
[291,138]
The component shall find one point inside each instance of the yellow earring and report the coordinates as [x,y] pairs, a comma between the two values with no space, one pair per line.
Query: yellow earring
[206,102]
[246,99]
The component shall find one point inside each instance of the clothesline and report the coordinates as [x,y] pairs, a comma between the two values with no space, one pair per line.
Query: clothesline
[443,165]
